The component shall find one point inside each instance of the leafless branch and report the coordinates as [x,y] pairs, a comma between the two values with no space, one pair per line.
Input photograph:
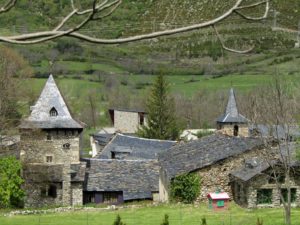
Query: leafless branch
[107,8]
[8,6]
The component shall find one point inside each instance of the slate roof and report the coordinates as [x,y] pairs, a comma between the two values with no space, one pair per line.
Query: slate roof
[53,172]
[40,116]
[136,178]
[128,110]
[252,168]
[194,155]
[137,148]
[232,114]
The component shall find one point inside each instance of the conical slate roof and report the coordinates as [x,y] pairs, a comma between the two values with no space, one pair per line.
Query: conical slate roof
[231,113]
[50,100]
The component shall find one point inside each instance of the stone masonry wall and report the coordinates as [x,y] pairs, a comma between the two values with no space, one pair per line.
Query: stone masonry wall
[77,194]
[228,130]
[262,182]
[217,176]
[35,146]
[126,122]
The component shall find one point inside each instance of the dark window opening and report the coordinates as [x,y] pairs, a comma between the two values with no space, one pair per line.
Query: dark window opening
[52,191]
[142,118]
[110,197]
[66,146]
[236,130]
[113,155]
[284,193]
[53,112]
[264,196]
[49,159]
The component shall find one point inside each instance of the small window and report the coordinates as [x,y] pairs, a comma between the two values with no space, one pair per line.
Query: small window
[220,203]
[52,191]
[113,155]
[53,112]
[264,196]
[49,159]
[66,146]
[49,137]
[110,197]
[236,130]
[142,118]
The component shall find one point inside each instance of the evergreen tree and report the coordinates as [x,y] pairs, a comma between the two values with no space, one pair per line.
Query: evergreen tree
[166,220]
[161,121]
[118,221]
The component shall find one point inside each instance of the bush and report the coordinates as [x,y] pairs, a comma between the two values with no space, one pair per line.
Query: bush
[185,188]
[11,194]
[118,221]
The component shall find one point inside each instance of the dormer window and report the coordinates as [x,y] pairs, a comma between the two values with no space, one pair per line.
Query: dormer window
[53,112]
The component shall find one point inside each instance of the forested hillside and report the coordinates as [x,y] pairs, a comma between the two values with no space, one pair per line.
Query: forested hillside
[119,75]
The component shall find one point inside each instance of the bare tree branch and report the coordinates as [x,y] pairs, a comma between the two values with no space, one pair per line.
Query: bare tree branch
[8,6]
[109,7]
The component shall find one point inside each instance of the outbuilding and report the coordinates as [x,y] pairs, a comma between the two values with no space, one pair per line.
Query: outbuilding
[218,201]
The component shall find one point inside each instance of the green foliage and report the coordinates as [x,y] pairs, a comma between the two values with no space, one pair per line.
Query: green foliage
[11,194]
[185,188]
[203,221]
[201,134]
[118,221]
[161,121]
[166,220]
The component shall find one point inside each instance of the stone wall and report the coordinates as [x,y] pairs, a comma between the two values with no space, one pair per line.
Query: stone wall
[262,182]
[77,194]
[36,146]
[126,122]
[216,177]
[229,129]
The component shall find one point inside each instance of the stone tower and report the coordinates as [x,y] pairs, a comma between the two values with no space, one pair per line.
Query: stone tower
[50,152]
[232,123]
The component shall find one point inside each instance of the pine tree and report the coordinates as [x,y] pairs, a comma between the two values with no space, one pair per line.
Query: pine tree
[161,120]
[118,221]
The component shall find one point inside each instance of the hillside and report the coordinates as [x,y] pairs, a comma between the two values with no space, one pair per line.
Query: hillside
[194,61]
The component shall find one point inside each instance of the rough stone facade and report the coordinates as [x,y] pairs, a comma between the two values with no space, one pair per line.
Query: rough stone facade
[216,176]
[127,122]
[228,129]
[245,193]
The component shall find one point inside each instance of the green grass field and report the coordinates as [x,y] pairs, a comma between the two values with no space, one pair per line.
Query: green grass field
[153,215]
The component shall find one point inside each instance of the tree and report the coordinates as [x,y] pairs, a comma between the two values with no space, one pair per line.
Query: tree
[12,66]
[166,220]
[98,10]
[11,193]
[277,107]
[161,122]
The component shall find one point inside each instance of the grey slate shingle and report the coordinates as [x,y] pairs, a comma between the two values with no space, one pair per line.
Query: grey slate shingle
[137,148]
[136,178]
[194,155]
[232,114]
[40,116]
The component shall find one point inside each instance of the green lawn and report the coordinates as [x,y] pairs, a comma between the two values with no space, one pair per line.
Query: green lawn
[152,215]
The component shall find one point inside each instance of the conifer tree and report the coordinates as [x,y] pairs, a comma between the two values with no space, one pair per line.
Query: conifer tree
[161,120]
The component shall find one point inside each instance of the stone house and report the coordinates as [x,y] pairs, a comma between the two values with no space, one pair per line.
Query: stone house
[50,152]
[232,122]
[253,185]
[127,121]
[212,157]
[113,181]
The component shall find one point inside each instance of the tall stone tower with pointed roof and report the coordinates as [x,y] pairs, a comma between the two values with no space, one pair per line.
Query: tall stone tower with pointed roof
[232,123]
[50,151]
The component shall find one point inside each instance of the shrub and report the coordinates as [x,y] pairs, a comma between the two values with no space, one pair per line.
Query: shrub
[118,221]
[203,221]
[185,188]
[166,220]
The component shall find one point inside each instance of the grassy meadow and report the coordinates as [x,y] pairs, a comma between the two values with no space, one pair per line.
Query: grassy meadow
[153,215]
